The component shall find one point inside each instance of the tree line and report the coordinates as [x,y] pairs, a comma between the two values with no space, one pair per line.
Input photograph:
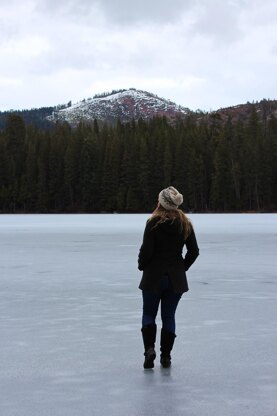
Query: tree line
[35,116]
[219,166]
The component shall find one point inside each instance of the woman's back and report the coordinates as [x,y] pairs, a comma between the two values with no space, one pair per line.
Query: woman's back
[169,239]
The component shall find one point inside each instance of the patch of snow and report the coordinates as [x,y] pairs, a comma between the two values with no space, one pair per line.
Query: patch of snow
[114,106]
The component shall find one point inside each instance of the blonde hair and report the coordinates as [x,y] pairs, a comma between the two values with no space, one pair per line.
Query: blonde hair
[172,214]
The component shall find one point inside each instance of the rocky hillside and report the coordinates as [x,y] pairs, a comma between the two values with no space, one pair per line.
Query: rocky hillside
[123,104]
[130,104]
[265,109]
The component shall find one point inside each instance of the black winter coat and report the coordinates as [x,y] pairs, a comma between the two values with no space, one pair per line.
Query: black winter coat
[161,254]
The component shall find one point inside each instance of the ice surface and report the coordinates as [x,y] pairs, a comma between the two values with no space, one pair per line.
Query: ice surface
[70,318]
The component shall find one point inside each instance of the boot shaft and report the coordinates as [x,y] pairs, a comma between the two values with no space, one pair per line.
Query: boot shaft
[167,342]
[149,339]
[149,336]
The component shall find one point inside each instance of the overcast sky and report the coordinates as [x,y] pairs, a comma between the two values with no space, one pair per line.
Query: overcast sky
[202,54]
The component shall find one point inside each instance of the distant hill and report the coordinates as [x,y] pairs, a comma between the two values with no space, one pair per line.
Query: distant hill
[132,104]
[265,109]
[125,105]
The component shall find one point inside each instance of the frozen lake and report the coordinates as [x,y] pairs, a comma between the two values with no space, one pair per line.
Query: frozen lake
[70,319]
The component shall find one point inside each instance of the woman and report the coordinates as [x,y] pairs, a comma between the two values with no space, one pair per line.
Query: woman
[164,271]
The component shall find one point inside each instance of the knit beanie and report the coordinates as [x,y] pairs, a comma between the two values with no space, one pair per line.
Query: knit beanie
[170,198]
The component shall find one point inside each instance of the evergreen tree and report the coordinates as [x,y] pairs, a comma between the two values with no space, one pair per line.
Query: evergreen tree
[14,134]
[29,178]
[4,177]
[43,173]
[58,197]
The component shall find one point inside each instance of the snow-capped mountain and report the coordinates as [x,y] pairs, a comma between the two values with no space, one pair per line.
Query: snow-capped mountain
[123,104]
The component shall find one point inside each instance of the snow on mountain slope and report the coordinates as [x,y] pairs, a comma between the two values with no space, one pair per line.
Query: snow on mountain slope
[124,105]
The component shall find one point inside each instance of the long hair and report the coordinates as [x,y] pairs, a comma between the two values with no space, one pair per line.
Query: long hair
[164,215]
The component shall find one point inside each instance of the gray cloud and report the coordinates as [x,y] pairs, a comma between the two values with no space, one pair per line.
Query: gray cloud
[199,53]
[124,12]
[219,21]
[128,12]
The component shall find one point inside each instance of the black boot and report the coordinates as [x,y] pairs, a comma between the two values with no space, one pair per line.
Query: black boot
[149,338]
[167,341]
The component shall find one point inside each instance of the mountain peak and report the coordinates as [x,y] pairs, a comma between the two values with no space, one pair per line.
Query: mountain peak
[119,104]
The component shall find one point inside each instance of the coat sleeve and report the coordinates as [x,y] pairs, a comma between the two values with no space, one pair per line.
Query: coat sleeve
[192,250]
[147,249]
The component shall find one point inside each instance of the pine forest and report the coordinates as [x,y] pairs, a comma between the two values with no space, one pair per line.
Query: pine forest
[219,166]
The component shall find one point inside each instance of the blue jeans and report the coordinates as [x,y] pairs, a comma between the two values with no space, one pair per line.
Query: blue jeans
[169,301]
